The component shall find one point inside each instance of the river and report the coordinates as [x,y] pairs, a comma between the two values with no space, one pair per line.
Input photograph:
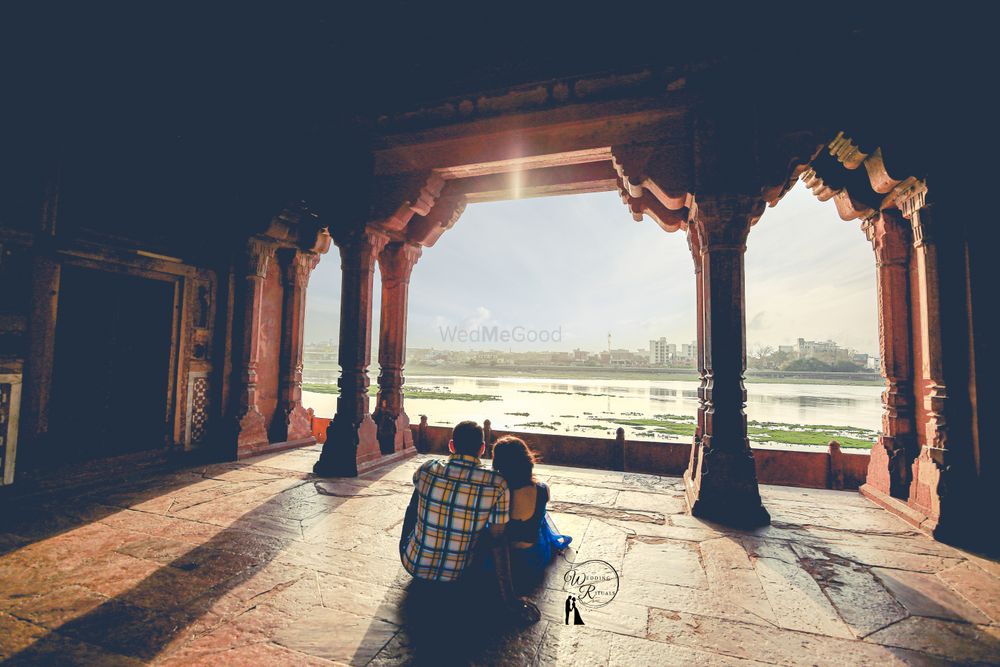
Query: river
[586,407]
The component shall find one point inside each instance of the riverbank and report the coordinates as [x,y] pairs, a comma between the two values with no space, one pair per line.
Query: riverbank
[598,373]
[787,415]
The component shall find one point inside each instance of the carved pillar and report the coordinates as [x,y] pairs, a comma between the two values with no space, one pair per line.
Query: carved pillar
[889,467]
[296,425]
[694,244]
[251,428]
[932,371]
[396,263]
[351,437]
[723,484]
[935,466]
[46,276]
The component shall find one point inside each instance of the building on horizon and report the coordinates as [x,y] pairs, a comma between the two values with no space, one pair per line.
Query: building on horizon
[662,353]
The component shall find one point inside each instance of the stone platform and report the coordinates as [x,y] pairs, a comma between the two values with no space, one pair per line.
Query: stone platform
[257,562]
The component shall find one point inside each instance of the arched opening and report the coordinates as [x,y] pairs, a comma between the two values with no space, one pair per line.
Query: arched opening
[812,329]
[535,314]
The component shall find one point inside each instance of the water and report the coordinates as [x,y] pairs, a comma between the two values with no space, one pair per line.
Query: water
[581,407]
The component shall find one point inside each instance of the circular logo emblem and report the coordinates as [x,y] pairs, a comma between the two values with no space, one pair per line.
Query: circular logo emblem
[594,583]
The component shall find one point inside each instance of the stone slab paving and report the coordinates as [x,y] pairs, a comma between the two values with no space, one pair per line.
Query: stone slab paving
[260,563]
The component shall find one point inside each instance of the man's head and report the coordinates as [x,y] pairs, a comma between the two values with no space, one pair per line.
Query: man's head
[467,438]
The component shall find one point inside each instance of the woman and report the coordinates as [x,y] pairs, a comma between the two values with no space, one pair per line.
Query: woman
[530,532]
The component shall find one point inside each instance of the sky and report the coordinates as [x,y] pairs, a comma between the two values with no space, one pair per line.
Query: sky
[575,268]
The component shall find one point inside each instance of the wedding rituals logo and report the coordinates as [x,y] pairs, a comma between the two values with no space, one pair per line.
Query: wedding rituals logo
[592,583]
[496,334]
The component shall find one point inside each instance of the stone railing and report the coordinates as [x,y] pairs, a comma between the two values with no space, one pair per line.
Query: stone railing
[821,469]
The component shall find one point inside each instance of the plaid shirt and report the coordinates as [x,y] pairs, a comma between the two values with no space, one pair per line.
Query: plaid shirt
[456,500]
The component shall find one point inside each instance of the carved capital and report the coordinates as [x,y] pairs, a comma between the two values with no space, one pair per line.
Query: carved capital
[301,266]
[911,200]
[396,263]
[724,220]
[359,250]
[258,256]
[889,237]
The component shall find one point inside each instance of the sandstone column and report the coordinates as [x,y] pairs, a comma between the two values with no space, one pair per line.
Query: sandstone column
[396,263]
[300,266]
[694,244]
[723,484]
[889,466]
[940,464]
[351,437]
[251,429]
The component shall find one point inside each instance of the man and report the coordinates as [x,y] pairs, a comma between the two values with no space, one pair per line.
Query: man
[458,508]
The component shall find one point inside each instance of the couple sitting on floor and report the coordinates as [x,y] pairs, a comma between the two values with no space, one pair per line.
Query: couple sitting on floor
[465,519]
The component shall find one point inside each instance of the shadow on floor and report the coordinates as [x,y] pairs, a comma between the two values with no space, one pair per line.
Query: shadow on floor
[141,621]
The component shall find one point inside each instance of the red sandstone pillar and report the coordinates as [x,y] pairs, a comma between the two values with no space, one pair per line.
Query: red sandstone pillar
[940,464]
[297,424]
[932,370]
[889,466]
[694,244]
[351,437]
[396,262]
[251,429]
[723,485]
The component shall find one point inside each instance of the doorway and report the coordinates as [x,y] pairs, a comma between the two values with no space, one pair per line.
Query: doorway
[111,370]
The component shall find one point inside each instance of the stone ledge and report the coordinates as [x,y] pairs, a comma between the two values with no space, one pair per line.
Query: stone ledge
[912,516]
[271,448]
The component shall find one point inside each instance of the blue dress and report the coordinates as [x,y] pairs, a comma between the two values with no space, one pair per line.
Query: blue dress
[541,531]
[528,564]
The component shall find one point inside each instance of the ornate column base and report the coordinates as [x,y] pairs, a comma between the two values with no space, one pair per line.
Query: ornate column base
[298,424]
[347,447]
[393,432]
[723,488]
[944,510]
[251,432]
[404,434]
[888,471]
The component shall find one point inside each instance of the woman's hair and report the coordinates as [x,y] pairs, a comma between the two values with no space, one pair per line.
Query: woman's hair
[513,459]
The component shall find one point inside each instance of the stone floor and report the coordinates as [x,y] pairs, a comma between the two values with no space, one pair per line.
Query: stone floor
[257,562]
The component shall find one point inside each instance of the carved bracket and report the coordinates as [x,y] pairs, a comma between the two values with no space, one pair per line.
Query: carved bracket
[426,229]
[662,170]
[397,200]
[646,204]
[848,208]
[783,164]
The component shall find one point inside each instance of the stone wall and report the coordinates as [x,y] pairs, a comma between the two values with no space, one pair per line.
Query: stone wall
[814,470]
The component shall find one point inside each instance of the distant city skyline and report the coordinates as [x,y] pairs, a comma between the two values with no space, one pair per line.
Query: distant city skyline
[514,350]
[579,264]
